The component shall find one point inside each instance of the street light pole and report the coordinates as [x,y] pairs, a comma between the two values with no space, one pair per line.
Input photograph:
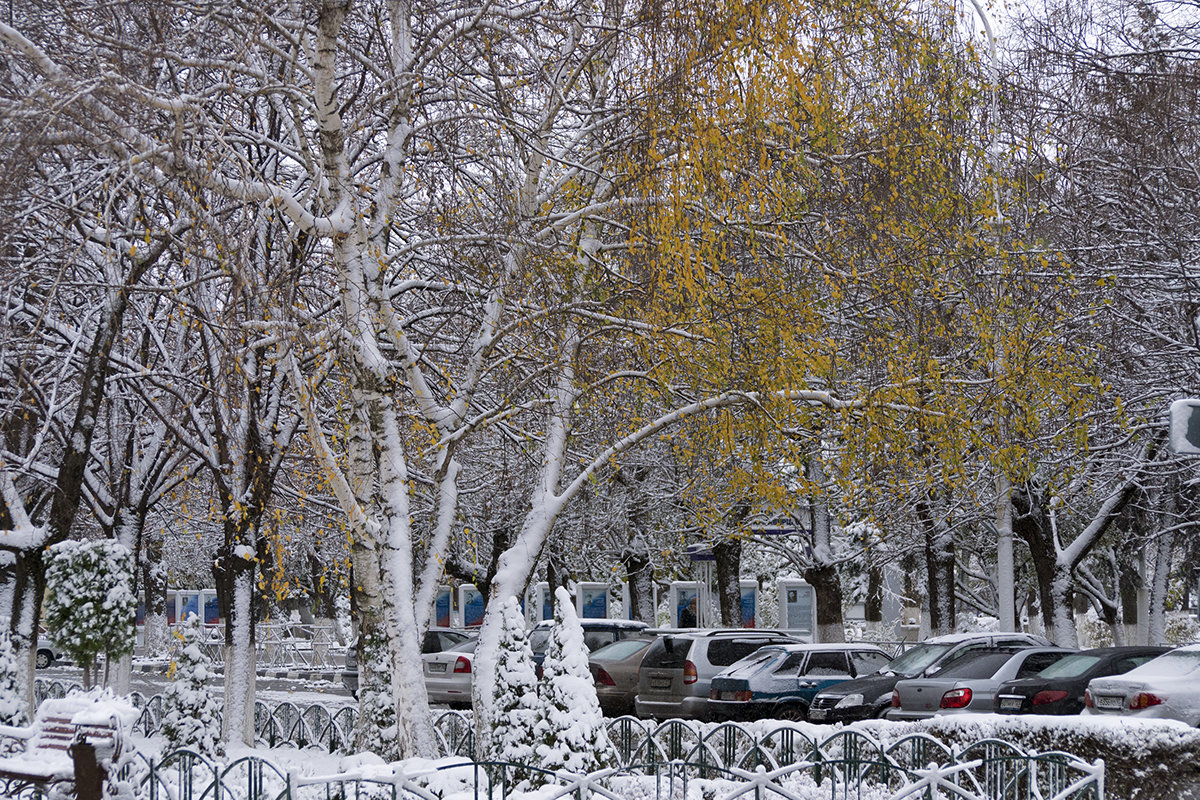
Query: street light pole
[1005,566]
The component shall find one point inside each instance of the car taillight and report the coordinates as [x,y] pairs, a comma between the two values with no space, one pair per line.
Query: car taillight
[603,678]
[1144,700]
[1087,698]
[689,672]
[1048,696]
[462,664]
[956,698]
[895,699]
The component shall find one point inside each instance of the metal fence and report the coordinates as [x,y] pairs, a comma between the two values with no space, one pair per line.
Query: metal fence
[650,760]
[314,725]
[847,765]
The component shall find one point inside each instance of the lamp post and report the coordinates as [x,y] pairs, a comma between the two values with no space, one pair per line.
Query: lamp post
[1005,567]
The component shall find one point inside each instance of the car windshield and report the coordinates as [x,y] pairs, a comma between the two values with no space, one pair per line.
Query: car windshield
[619,651]
[915,661]
[539,640]
[755,661]
[1070,667]
[981,665]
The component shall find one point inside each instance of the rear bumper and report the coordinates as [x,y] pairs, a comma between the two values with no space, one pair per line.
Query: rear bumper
[671,707]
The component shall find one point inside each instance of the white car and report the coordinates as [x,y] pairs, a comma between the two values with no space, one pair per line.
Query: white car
[1167,687]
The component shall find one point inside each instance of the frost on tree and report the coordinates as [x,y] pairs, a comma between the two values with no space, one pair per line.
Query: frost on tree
[571,734]
[12,691]
[90,605]
[191,712]
[515,701]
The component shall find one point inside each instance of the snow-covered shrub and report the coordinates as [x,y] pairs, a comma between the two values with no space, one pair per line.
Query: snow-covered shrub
[570,733]
[1182,628]
[1093,631]
[515,700]
[12,700]
[191,712]
[90,605]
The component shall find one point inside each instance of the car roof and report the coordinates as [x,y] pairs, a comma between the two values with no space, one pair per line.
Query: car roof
[805,647]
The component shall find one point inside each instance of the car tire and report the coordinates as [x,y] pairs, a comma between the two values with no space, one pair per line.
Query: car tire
[793,712]
[43,659]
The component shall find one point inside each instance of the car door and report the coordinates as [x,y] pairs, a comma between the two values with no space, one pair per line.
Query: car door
[823,668]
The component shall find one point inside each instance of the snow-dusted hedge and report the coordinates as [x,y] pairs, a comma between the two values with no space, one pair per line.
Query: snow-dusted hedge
[1145,759]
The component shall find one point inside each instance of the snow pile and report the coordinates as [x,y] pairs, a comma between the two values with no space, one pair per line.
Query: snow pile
[571,734]
[515,699]
[90,606]
[191,710]
[12,700]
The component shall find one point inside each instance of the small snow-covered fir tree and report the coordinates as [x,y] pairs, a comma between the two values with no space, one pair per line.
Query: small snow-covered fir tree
[191,712]
[570,733]
[12,700]
[90,605]
[515,699]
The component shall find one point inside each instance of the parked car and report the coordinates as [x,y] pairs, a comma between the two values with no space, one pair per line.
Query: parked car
[864,698]
[436,640]
[1167,687]
[448,674]
[679,666]
[969,683]
[779,681]
[48,653]
[596,634]
[1059,688]
[614,668]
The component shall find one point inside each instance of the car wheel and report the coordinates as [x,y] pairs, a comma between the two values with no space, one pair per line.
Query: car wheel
[794,712]
[881,712]
[44,659]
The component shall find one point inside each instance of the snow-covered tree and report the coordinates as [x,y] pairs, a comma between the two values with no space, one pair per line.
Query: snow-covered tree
[12,691]
[90,604]
[516,706]
[571,734]
[191,711]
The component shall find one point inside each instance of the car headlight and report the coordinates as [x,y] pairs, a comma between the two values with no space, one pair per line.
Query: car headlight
[850,701]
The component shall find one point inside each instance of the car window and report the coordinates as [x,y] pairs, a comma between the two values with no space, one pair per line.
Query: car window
[867,661]
[1012,643]
[791,664]
[1174,664]
[668,652]
[827,663]
[1126,664]
[594,639]
[619,651]
[1038,662]
[723,652]
[1070,667]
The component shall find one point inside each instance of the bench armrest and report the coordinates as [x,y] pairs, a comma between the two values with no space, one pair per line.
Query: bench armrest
[24,732]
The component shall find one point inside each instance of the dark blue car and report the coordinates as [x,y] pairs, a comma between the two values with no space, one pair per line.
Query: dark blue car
[779,681]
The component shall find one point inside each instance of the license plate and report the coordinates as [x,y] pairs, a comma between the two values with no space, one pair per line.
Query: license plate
[727,695]
[816,713]
[660,683]
[436,667]
[1110,701]
[1010,704]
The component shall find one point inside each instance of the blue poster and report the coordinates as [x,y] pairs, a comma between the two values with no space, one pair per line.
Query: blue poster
[473,608]
[212,611]
[188,604]
[594,603]
[441,609]
[547,603]
[749,598]
[687,608]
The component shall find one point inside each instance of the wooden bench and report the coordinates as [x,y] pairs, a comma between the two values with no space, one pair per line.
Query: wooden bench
[52,752]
